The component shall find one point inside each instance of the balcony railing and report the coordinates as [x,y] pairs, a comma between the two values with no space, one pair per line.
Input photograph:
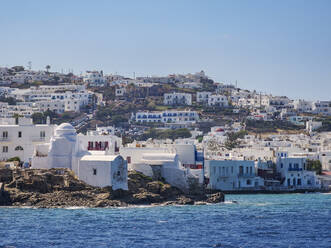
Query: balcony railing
[4,139]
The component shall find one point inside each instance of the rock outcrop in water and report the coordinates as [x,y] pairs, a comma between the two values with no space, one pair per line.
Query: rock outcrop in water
[61,188]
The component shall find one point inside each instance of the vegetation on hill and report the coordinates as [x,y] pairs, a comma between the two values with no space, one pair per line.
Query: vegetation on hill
[9,100]
[326,125]
[40,118]
[165,134]
[232,141]
[259,126]
[314,165]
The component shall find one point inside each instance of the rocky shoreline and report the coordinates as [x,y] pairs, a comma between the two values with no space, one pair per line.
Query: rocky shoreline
[60,188]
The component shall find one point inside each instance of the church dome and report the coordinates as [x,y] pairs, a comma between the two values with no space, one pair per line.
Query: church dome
[65,129]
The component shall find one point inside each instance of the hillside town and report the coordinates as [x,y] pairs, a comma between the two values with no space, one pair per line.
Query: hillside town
[184,129]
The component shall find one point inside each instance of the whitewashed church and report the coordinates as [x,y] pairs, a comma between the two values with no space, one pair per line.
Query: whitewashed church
[93,157]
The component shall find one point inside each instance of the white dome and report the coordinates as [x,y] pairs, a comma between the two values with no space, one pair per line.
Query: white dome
[65,129]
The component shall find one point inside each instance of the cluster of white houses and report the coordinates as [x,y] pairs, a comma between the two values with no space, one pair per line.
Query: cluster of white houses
[100,159]
[56,98]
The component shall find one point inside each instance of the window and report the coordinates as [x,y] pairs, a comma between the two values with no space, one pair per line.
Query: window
[128,159]
[94,171]
[18,148]
[19,134]
[42,134]
[5,134]
[118,173]
[5,149]
[241,170]
[248,182]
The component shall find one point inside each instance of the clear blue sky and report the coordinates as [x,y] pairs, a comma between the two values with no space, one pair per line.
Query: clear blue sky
[281,47]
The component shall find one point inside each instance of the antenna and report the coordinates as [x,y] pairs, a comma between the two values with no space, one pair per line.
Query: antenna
[29,65]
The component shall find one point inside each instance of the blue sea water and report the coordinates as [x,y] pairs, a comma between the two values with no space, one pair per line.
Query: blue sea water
[287,220]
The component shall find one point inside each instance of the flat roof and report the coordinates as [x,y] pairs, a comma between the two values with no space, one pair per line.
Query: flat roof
[99,157]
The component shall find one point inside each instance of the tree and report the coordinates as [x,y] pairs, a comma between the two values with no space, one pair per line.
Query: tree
[9,100]
[18,68]
[37,118]
[47,68]
[165,134]
[151,105]
[314,165]
[14,159]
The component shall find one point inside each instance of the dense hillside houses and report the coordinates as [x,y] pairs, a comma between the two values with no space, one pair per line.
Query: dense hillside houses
[58,98]
[227,138]
[19,75]
[99,155]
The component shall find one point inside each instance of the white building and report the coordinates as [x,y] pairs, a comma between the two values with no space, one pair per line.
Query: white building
[313,125]
[176,163]
[218,100]
[120,91]
[203,96]
[168,116]
[322,107]
[232,175]
[92,157]
[325,159]
[94,78]
[302,105]
[104,170]
[21,109]
[177,99]
[294,173]
[18,138]
[59,98]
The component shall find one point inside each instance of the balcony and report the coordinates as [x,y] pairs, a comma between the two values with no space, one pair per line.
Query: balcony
[4,139]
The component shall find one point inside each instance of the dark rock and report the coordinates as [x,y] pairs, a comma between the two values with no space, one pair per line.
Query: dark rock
[145,198]
[101,204]
[183,200]
[216,198]
[4,196]
[60,188]
[119,193]
[168,191]
[154,187]
[6,175]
